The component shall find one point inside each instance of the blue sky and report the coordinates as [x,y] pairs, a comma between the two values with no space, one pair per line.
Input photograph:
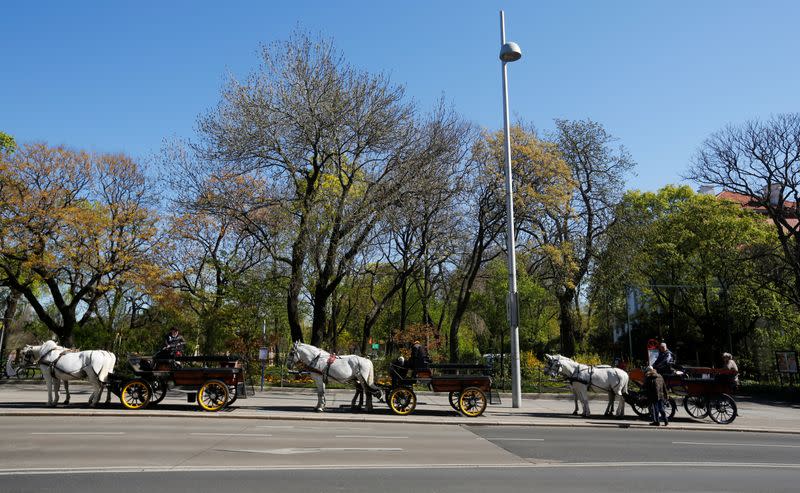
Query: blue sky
[660,76]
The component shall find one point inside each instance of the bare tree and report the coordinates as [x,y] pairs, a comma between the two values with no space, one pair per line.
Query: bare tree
[761,160]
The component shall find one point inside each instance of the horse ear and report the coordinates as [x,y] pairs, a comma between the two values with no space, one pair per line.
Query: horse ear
[548,357]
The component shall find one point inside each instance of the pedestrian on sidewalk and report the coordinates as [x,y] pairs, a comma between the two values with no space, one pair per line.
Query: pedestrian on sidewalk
[656,391]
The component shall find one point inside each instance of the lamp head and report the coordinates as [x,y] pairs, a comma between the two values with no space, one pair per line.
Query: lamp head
[510,52]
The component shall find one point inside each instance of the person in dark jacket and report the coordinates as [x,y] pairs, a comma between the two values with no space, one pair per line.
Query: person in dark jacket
[657,394]
[419,358]
[664,361]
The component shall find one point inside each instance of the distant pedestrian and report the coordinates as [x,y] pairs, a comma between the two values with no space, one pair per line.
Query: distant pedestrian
[730,364]
[657,395]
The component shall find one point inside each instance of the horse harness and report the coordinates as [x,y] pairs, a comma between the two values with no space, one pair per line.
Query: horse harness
[332,357]
[575,377]
[53,367]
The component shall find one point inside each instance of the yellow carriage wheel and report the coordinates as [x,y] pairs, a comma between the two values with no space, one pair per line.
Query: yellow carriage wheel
[402,400]
[472,402]
[136,394]
[213,395]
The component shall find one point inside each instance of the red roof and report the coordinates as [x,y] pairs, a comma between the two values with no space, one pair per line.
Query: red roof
[753,204]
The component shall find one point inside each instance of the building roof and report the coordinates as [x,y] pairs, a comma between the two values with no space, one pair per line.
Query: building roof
[755,204]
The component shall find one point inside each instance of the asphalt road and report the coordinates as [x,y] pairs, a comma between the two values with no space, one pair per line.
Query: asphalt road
[98,454]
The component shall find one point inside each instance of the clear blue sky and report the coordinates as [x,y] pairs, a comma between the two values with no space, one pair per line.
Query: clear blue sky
[661,76]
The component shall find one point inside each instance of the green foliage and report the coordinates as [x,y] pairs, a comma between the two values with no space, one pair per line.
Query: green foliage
[7,143]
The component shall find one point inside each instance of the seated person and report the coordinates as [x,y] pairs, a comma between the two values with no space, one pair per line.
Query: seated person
[174,343]
[419,358]
[664,361]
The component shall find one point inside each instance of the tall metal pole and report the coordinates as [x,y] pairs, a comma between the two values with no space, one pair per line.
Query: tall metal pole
[512,301]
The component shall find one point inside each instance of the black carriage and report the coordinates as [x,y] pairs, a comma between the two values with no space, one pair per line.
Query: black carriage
[706,392]
[213,382]
[469,387]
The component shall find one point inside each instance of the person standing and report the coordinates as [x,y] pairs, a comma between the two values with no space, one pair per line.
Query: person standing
[730,364]
[657,394]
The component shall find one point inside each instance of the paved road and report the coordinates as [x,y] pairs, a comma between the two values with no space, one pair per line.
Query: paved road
[104,453]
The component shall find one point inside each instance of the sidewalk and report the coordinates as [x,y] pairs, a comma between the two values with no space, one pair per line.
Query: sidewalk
[297,404]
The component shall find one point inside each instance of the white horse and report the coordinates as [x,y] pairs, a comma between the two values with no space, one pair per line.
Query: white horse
[344,369]
[584,377]
[61,364]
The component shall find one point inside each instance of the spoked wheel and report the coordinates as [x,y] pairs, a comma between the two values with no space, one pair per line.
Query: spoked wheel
[638,403]
[213,395]
[722,408]
[136,394]
[670,406]
[696,406]
[25,373]
[402,401]
[453,398]
[233,394]
[472,402]
[159,391]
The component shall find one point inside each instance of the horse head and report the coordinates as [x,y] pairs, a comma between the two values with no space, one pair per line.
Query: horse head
[294,355]
[553,365]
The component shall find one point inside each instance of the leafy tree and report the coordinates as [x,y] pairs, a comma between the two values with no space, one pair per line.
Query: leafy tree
[761,160]
[76,225]
[696,261]
[569,234]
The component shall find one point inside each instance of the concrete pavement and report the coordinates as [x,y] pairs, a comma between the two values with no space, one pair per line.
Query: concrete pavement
[297,404]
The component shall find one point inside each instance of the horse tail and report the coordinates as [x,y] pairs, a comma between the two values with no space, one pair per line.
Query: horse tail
[107,366]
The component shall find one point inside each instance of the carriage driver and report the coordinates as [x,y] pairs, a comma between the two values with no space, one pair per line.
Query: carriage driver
[174,340]
[664,361]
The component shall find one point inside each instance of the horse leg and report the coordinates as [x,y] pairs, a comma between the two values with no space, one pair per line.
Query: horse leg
[97,389]
[610,406]
[621,406]
[585,402]
[367,391]
[359,395]
[66,391]
[48,380]
[574,398]
[320,393]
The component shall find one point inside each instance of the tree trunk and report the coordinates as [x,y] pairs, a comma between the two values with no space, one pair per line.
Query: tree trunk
[567,322]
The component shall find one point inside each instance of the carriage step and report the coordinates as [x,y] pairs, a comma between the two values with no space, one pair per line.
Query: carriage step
[494,397]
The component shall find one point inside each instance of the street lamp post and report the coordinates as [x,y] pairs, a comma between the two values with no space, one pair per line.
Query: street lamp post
[510,52]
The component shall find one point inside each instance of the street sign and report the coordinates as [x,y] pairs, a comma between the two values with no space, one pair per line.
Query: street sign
[263,353]
[376,345]
[652,344]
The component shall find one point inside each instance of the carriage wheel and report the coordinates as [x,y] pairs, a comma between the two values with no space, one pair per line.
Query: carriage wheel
[25,373]
[472,402]
[159,391]
[213,395]
[696,406]
[670,406]
[233,394]
[453,398]
[638,403]
[402,401]
[136,394]
[722,409]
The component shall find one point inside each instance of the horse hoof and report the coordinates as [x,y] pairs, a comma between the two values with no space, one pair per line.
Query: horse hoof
[574,413]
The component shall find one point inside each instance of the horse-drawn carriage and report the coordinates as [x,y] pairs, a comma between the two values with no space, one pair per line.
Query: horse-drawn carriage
[212,381]
[705,392]
[469,387]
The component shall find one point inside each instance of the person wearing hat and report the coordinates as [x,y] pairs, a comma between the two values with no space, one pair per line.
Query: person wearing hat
[419,357]
[657,393]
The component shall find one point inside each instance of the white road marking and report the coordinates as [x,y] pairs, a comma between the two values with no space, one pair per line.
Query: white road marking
[78,433]
[232,434]
[513,439]
[313,450]
[729,444]
[123,469]
[368,436]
